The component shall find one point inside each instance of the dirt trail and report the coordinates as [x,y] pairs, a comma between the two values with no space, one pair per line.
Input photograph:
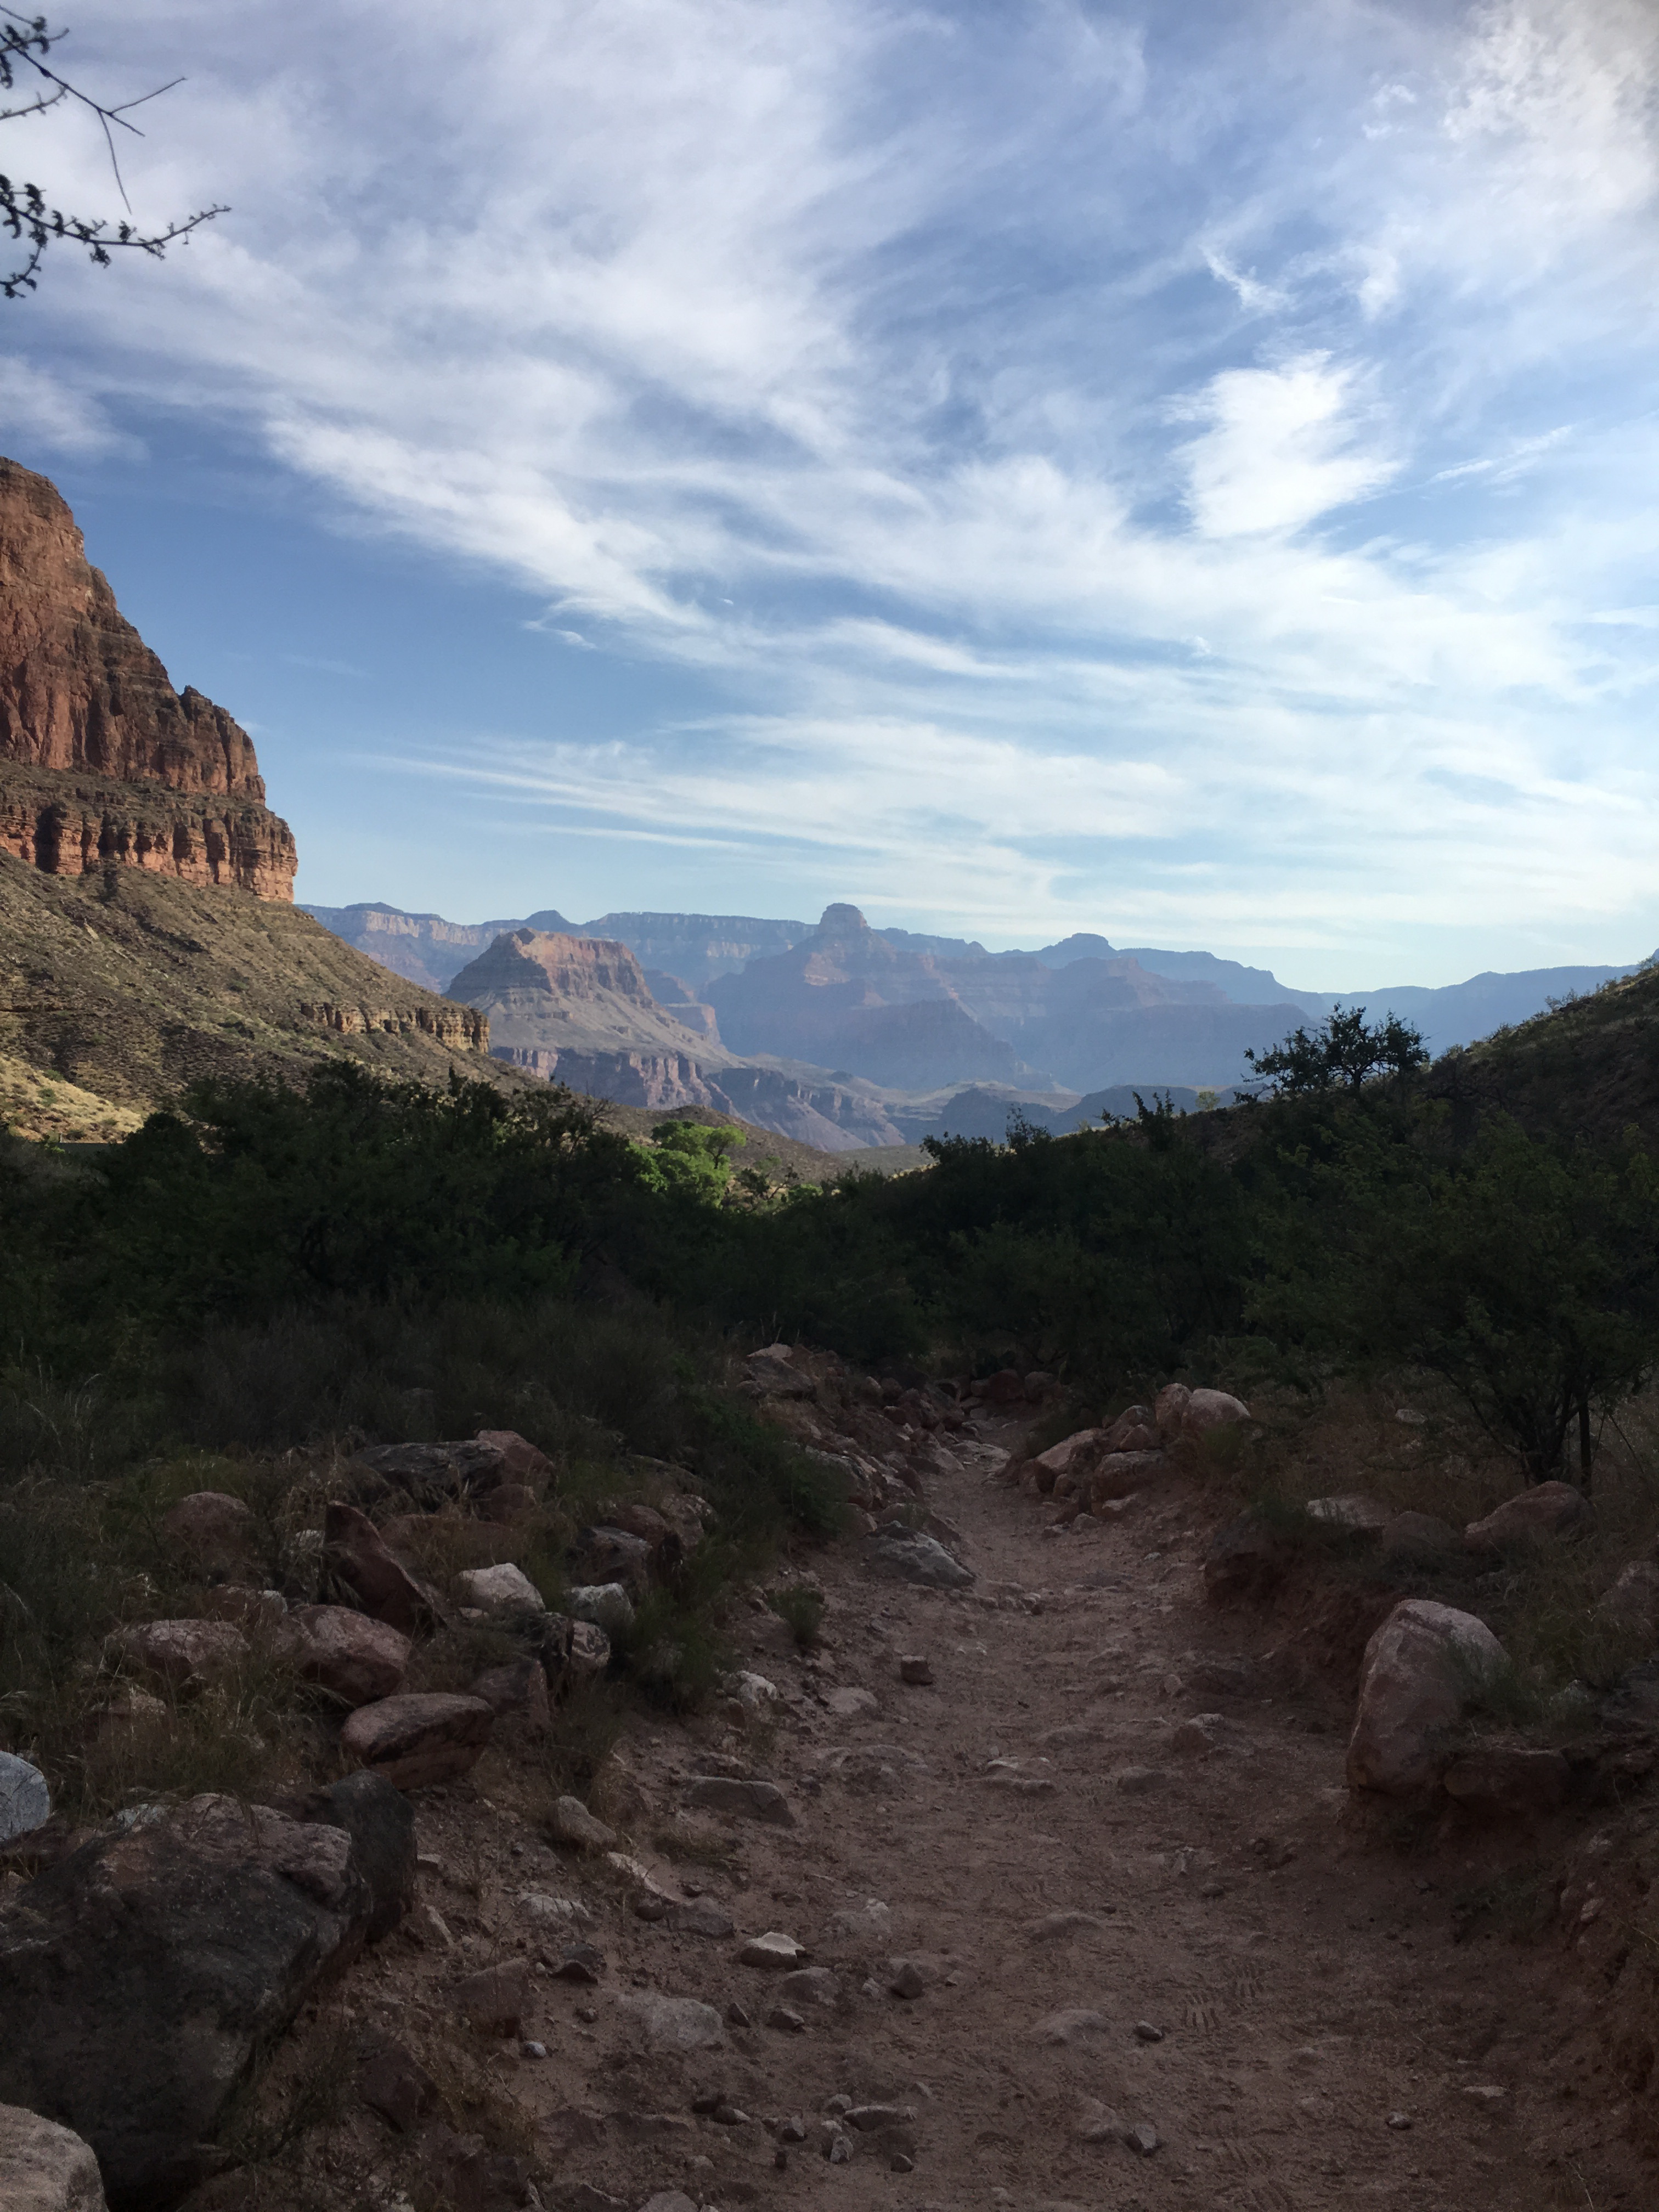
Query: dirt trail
[1305,1985]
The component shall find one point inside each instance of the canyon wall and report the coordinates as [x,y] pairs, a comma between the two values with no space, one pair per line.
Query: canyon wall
[102,762]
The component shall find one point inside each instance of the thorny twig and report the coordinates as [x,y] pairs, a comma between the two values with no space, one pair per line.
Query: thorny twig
[24,43]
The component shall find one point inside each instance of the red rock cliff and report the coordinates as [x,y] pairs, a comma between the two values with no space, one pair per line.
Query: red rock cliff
[88,712]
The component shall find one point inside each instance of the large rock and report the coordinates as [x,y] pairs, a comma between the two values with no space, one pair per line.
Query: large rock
[664,1544]
[1169,1410]
[1507,1781]
[346,1653]
[145,1973]
[44,2167]
[613,1555]
[907,1555]
[1211,1409]
[185,1655]
[415,1740]
[381,1823]
[771,1373]
[672,2025]
[1425,1669]
[147,777]
[572,1651]
[521,1461]
[355,1554]
[436,1474]
[1072,1456]
[214,1530]
[745,1799]
[1547,1511]
[25,1800]
[1632,1605]
[1120,1475]
[605,1606]
[504,1589]
[1134,1430]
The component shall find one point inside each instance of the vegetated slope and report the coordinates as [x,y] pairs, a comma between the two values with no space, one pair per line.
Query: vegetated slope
[1589,1067]
[781,1158]
[118,989]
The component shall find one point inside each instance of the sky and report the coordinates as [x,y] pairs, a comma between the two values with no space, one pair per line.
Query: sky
[1020,465]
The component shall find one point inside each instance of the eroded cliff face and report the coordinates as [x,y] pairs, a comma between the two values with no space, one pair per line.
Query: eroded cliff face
[102,762]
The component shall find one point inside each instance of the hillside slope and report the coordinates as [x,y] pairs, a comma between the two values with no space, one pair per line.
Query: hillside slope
[1588,1068]
[118,989]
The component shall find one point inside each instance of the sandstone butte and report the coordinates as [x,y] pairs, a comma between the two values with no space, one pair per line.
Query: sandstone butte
[102,761]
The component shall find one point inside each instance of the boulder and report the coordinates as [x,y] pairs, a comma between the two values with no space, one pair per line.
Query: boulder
[1423,1670]
[379,1821]
[664,1542]
[907,1555]
[414,1740]
[775,1952]
[1508,1782]
[1169,1410]
[1135,1429]
[1419,1537]
[612,1555]
[574,1825]
[504,1589]
[572,1651]
[1072,1457]
[240,1602]
[355,1554]
[185,1655]
[1006,1388]
[435,1474]
[215,1531]
[1632,1605]
[669,2025]
[1119,1474]
[1211,1409]
[392,2082]
[746,1800]
[771,1373]
[343,1653]
[146,1971]
[518,1687]
[44,2167]
[494,1999]
[1248,1559]
[520,1459]
[25,1801]
[1547,1511]
[1353,1514]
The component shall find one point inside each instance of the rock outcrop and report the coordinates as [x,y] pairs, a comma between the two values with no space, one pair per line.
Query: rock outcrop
[102,761]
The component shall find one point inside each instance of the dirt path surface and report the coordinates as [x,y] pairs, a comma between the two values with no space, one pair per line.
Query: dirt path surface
[1115,1862]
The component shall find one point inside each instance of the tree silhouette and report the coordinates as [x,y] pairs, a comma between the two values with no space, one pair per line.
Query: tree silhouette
[26,45]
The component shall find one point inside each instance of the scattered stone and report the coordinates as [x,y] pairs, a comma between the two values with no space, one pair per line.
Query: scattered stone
[532,2049]
[355,1554]
[603,1555]
[869,2119]
[1248,1559]
[902,2162]
[1353,1513]
[1134,1430]
[1400,2122]
[870,1922]
[392,2082]
[774,1950]
[414,1741]
[793,2130]
[905,1979]
[572,1651]
[839,2147]
[1194,1737]
[607,1605]
[25,1800]
[738,2015]
[672,2024]
[1227,1678]
[1209,1409]
[495,1999]
[345,1654]
[185,1655]
[1145,2033]
[907,1555]
[1545,1512]
[756,1694]
[783,2017]
[1142,2138]
[504,1590]
[771,1373]
[916,1670]
[144,1971]
[45,2167]
[1508,1781]
[744,1800]
[699,1918]
[1423,1670]
[579,1962]
[814,1985]
[573,1824]
[1484,2092]
[554,1913]
[215,1531]
[520,1458]
[434,1474]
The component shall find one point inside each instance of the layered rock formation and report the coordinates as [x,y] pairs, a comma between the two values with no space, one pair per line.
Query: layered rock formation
[424,947]
[560,995]
[101,762]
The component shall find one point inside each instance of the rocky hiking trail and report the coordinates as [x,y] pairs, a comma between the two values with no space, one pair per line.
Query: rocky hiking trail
[1043,1890]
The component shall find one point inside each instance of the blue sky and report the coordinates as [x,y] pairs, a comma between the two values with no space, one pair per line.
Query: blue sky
[1185,472]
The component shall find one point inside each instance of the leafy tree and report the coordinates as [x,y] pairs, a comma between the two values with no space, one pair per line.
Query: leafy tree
[690,1159]
[25,215]
[1342,1053]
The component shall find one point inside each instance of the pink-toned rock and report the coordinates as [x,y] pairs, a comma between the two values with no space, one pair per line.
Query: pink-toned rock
[521,1461]
[1072,1456]
[1632,1604]
[215,1529]
[1004,1387]
[494,1999]
[1511,1782]
[519,1688]
[1545,1512]
[1136,1429]
[1169,1410]
[1211,1409]
[350,1656]
[1423,1670]
[415,1739]
[183,1654]
[1121,1473]
[355,1554]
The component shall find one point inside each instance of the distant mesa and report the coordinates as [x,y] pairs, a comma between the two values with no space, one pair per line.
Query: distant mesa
[102,761]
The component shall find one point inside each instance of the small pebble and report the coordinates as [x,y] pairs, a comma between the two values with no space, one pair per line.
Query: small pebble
[792,2131]
[1145,2033]
[1213,1889]
[901,2164]
[533,2049]
[916,1670]
[1142,2139]
[1400,2121]
[784,2017]
[738,2015]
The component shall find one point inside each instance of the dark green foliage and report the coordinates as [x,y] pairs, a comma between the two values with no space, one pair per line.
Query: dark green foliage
[1342,1054]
